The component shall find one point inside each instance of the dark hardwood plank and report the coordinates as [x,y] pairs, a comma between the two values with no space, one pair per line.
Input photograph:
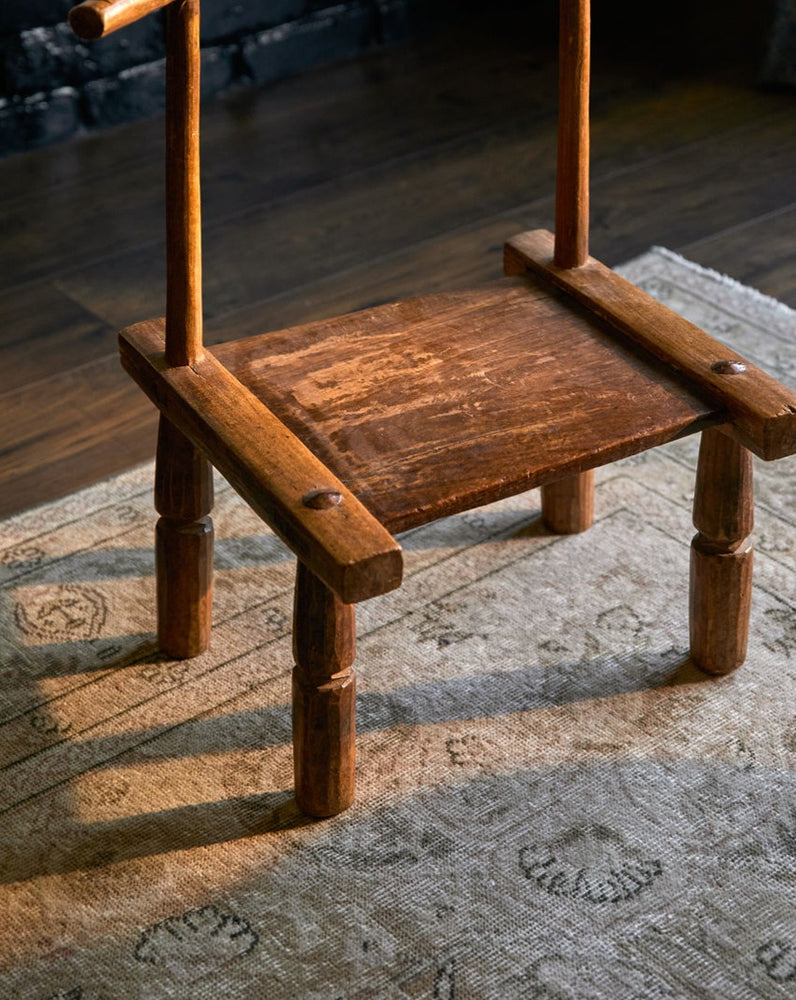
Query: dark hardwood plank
[391,101]
[44,332]
[308,137]
[360,218]
[760,252]
[69,430]
[724,180]
[468,255]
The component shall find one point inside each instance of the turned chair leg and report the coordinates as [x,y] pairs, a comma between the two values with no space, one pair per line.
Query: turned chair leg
[324,688]
[568,504]
[721,554]
[184,544]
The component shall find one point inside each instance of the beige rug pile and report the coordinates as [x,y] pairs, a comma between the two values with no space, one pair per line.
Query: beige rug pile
[553,804]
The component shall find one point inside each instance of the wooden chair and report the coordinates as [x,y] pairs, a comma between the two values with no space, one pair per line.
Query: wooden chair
[341,433]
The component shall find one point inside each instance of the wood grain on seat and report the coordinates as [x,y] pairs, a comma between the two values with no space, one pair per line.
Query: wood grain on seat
[435,404]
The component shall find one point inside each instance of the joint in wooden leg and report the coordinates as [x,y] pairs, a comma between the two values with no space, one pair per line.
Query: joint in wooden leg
[721,591]
[184,544]
[324,695]
[721,554]
[323,744]
[568,504]
[184,563]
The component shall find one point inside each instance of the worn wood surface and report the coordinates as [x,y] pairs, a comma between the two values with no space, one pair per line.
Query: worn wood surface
[324,698]
[761,409]
[451,163]
[342,544]
[721,554]
[476,425]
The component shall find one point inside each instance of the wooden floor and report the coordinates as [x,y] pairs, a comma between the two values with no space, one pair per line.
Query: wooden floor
[355,184]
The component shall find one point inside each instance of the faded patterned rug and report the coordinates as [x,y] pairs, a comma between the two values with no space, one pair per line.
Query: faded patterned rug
[553,804]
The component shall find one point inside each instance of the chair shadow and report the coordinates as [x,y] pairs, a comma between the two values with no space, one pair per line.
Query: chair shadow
[93,845]
[266,549]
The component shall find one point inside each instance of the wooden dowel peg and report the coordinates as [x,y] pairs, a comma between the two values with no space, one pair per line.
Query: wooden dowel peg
[568,504]
[183,544]
[324,692]
[721,554]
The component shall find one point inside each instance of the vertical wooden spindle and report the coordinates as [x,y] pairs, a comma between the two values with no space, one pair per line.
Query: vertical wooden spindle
[324,689]
[183,544]
[183,207]
[721,554]
[183,478]
[572,178]
[568,505]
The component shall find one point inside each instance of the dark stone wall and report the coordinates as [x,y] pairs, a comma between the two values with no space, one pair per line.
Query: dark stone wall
[53,85]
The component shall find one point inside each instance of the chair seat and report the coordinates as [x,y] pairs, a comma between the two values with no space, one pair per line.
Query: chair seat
[436,404]
[344,432]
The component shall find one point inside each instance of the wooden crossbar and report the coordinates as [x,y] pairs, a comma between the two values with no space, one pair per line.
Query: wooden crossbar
[98,18]
[340,541]
[761,411]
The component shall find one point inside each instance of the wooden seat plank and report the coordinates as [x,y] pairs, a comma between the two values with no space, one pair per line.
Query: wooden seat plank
[432,405]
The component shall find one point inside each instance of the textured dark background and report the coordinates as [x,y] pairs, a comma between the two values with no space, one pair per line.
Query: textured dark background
[52,84]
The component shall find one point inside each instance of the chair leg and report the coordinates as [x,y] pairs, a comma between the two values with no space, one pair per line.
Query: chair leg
[324,688]
[568,504]
[184,544]
[721,554]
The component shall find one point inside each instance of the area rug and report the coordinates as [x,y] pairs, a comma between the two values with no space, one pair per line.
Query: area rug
[553,803]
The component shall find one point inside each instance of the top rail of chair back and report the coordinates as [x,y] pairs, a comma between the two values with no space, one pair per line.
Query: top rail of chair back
[97,18]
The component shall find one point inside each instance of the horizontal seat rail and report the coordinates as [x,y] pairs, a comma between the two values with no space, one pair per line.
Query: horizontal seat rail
[761,411]
[316,516]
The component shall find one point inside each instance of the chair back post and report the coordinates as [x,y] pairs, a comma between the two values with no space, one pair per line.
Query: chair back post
[572,170]
[183,202]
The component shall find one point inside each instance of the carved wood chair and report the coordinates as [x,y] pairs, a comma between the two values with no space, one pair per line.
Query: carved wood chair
[344,432]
